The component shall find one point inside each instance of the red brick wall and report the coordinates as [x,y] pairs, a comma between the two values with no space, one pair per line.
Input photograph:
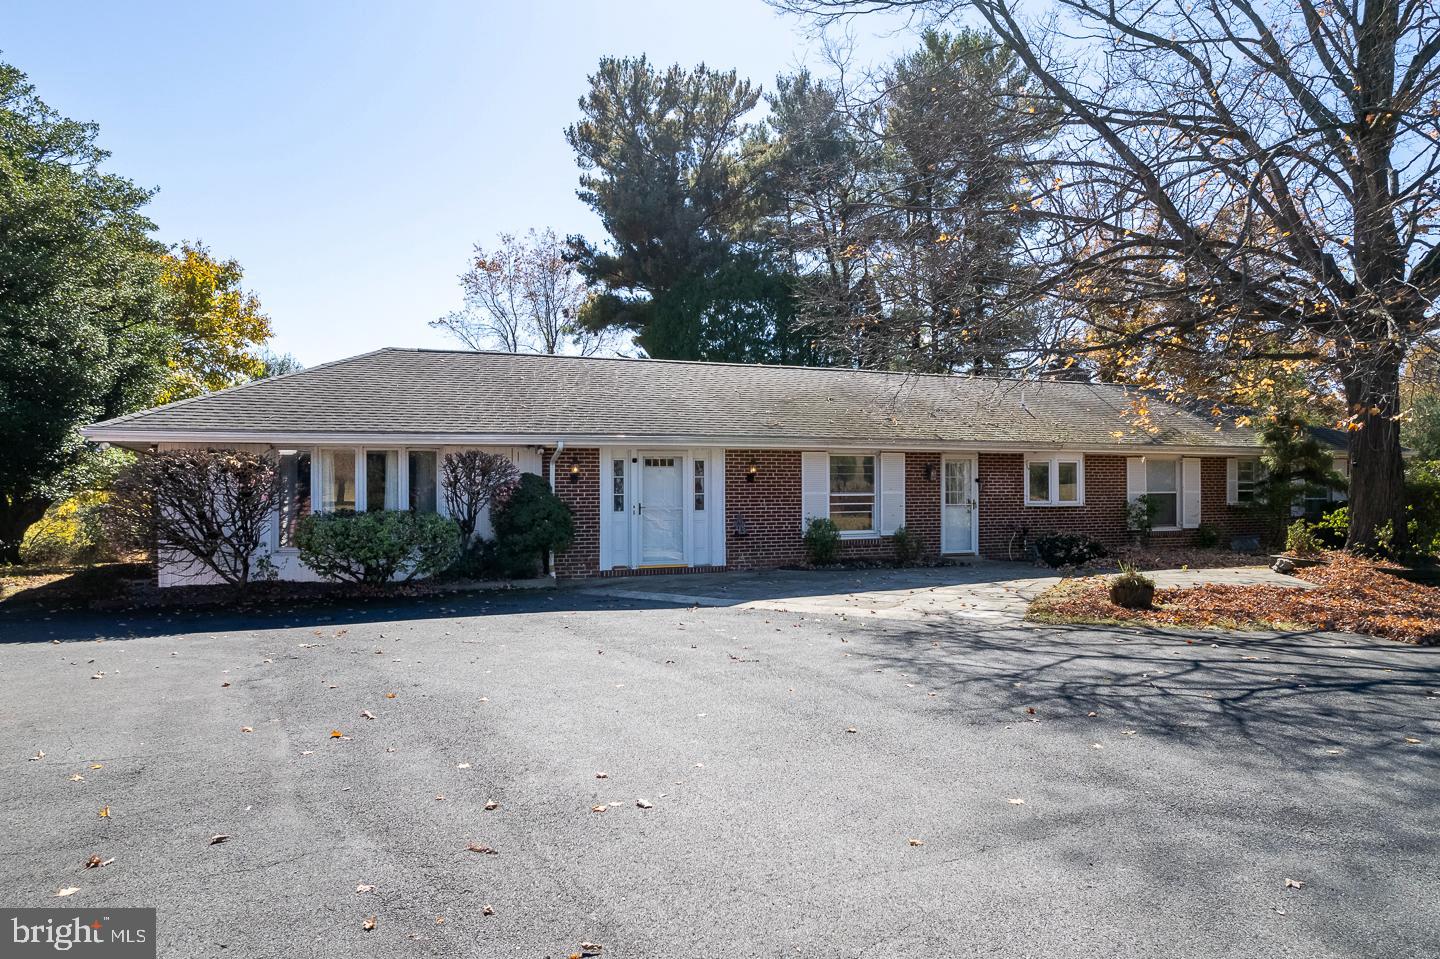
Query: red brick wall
[770,507]
[1003,509]
[771,511]
[582,494]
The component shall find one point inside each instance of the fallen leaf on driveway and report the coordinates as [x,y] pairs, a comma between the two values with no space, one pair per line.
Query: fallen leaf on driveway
[247,729]
[917,842]
[218,838]
[95,862]
[336,734]
[364,888]
[1412,740]
[366,714]
[599,808]
[369,924]
[602,775]
[1294,883]
[390,695]
[224,685]
[491,806]
[39,755]
[851,729]
[76,778]
[439,797]
[487,910]
[104,812]
[97,766]
[590,948]
[1017,802]
[1096,746]
[644,804]
[67,891]
[462,765]
[483,850]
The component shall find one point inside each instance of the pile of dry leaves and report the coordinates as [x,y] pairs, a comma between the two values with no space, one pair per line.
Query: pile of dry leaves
[1352,595]
[1174,557]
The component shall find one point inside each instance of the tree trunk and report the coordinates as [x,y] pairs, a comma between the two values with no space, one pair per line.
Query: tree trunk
[1377,470]
[17,514]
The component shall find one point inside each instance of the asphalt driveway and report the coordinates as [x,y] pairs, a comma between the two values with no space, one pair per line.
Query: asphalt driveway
[816,783]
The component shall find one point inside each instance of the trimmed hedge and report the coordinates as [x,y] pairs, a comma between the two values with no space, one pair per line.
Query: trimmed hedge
[375,547]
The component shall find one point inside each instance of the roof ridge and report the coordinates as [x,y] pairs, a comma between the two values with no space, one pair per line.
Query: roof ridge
[747,366]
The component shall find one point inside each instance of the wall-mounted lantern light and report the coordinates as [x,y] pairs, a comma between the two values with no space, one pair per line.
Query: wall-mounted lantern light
[575,473]
[932,472]
[751,472]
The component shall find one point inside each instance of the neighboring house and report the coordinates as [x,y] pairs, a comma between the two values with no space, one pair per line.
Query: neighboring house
[672,465]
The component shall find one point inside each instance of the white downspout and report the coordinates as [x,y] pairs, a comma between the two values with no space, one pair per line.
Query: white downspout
[559,447]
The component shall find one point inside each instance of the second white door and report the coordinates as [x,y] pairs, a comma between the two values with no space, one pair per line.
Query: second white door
[957,505]
[662,511]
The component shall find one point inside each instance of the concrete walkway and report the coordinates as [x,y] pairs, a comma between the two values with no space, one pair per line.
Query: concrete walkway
[983,590]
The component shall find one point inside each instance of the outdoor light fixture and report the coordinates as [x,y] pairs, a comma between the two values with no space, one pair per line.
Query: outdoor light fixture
[930,472]
[751,472]
[575,473]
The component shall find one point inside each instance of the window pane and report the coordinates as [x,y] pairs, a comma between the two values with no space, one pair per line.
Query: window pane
[699,485]
[852,493]
[422,481]
[617,478]
[295,493]
[1069,481]
[1161,476]
[852,474]
[1039,479]
[338,493]
[382,482]
[1167,511]
[954,483]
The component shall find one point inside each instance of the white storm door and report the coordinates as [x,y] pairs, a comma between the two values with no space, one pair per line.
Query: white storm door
[957,505]
[662,511]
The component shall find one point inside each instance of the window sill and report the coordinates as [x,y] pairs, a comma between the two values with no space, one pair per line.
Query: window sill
[1047,505]
[860,534]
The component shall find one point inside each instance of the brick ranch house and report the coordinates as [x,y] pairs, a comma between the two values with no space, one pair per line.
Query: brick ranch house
[672,465]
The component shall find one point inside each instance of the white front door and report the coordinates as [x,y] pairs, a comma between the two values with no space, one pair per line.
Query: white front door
[957,505]
[662,511]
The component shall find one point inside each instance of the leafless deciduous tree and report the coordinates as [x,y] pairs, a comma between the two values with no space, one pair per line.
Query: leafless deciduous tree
[475,480]
[1252,179]
[523,297]
[208,510]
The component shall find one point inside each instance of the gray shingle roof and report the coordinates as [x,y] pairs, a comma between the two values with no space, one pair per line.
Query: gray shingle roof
[453,396]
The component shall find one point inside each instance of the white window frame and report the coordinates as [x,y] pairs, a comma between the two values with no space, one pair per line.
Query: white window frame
[1179,492]
[874,531]
[1243,496]
[1054,460]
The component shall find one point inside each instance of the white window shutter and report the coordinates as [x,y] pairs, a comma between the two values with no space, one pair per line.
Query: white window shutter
[814,487]
[892,492]
[1232,481]
[1190,492]
[1342,466]
[1134,477]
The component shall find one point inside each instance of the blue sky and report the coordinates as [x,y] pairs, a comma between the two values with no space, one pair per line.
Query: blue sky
[349,154]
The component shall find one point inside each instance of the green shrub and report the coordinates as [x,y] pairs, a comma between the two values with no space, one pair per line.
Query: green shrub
[530,524]
[1333,528]
[1207,536]
[479,560]
[375,547]
[70,532]
[822,542]
[1300,539]
[1422,510]
[1132,589]
[1067,549]
[909,547]
[1140,516]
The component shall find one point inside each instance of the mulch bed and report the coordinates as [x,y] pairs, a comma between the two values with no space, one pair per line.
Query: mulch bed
[1353,596]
